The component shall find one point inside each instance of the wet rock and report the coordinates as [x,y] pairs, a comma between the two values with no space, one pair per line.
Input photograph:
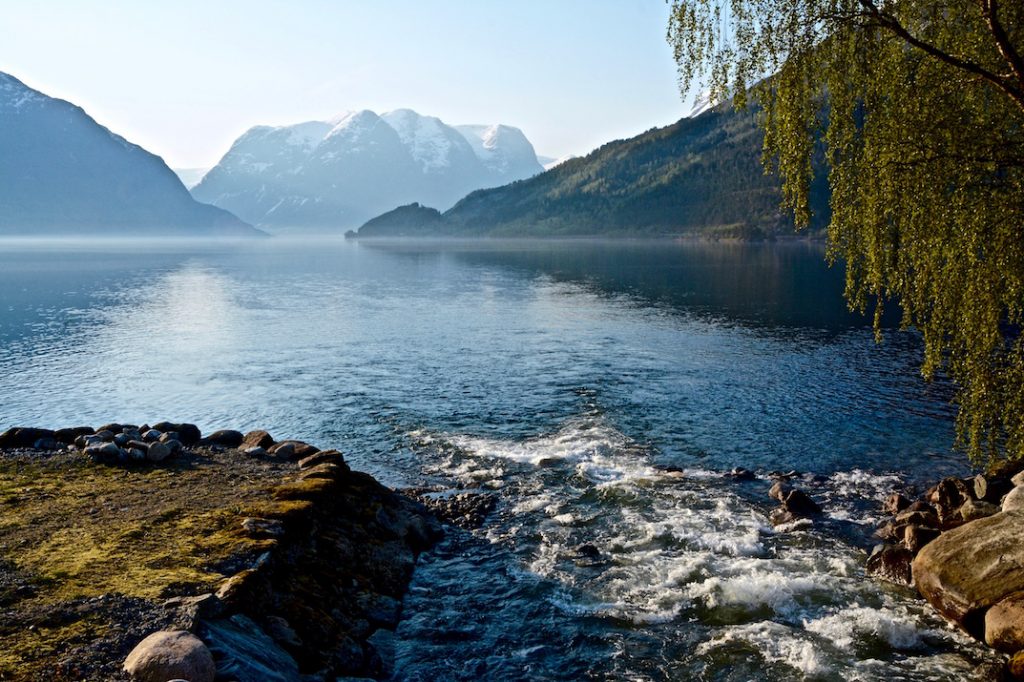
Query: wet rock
[168,655]
[797,502]
[263,528]
[779,491]
[741,474]
[246,653]
[23,437]
[121,439]
[892,563]
[588,551]
[103,453]
[157,451]
[467,510]
[293,450]
[322,457]
[972,510]
[991,488]
[891,531]
[257,439]
[968,569]
[1014,500]
[915,537]
[895,503]
[151,435]
[227,438]
[68,436]
[1015,666]
[1004,624]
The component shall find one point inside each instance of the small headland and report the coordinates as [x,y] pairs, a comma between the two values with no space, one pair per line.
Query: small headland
[244,557]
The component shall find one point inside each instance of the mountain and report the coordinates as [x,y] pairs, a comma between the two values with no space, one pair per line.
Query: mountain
[190,177]
[63,173]
[699,176]
[331,174]
[550,162]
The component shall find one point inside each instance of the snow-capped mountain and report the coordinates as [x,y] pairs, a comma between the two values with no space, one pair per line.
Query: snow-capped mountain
[338,173]
[63,173]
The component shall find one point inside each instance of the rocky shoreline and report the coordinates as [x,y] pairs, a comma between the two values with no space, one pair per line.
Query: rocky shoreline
[960,544]
[154,553]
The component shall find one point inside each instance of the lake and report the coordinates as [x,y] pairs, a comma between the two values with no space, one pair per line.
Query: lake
[601,389]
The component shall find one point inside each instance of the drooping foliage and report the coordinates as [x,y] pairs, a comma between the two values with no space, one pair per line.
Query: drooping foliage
[919,105]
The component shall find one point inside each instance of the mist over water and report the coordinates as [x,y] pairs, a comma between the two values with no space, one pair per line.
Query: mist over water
[565,377]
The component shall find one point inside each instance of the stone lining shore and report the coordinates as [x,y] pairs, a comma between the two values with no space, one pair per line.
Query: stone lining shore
[157,553]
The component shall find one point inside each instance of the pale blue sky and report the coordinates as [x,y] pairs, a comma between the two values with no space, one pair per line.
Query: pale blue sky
[184,78]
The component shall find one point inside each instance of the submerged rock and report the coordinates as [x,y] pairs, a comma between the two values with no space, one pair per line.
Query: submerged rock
[968,569]
[891,563]
[169,655]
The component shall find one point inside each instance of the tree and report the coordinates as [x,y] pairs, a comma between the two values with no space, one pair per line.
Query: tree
[917,107]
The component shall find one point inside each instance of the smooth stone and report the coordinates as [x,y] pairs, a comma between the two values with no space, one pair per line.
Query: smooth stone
[157,451]
[121,439]
[295,449]
[103,452]
[225,437]
[68,436]
[137,454]
[1004,624]
[151,435]
[1014,499]
[169,435]
[257,439]
[168,655]
[105,436]
[968,569]
[255,452]
[322,457]
[972,510]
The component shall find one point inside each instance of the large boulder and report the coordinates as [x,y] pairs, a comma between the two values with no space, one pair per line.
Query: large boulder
[1014,500]
[257,439]
[968,569]
[170,655]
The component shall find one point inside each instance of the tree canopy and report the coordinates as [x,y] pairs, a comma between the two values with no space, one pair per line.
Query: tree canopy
[918,109]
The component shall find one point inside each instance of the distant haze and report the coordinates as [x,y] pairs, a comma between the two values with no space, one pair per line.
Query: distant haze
[184,79]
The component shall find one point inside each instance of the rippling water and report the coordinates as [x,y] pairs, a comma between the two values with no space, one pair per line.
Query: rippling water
[568,378]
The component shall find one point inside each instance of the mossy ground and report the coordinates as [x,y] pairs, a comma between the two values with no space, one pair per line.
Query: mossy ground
[73,532]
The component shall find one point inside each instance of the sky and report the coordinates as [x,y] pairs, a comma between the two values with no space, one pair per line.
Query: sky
[185,78]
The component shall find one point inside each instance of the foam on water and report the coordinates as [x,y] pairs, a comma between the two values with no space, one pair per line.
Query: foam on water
[685,554]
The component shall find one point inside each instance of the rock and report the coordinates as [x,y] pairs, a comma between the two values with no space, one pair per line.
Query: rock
[1004,624]
[121,439]
[173,445]
[1014,499]
[282,632]
[379,609]
[133,434]
[915,537]
[324,470]
[224,437]
[105,436]
[293,450]
[972,510]
[922,506]
[151,435]
[1018,479]
[170,654]
[892,563]
[780,516]
[588,551]
[23,437]
[113,428]
[104,453]
[188,434]
[157,451]
[232,590]
[267,528]
[920,518]
[799,503]
[991,488]
[779,490]
[136,454]
[1015,666]
[168,436]
[257,439]
[741,474]
[895,503]
[46,444]
[322,457]
[968,569]
[192,609]
[948,496]
[255,452]
[246,653]
[890,531]
[68,436]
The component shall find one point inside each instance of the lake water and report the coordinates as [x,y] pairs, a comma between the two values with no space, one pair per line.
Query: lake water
[566,377]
